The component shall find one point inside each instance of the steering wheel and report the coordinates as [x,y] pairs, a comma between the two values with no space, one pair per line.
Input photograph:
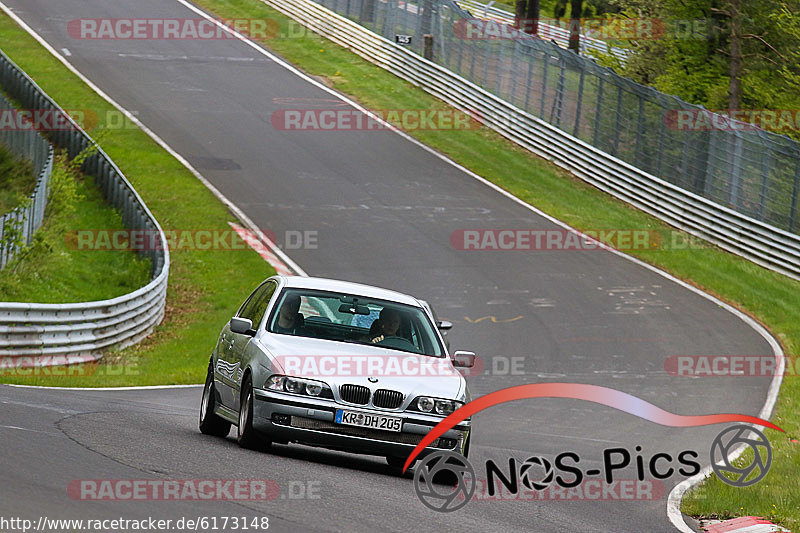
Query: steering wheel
[400,343]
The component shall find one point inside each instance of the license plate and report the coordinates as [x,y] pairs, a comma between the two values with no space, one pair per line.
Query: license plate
[367,420]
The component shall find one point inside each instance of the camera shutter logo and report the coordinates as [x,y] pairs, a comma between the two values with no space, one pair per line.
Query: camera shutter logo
[432,481]
[525,473]
[727,441]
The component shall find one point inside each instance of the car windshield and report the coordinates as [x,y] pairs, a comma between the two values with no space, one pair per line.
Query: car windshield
[355,319]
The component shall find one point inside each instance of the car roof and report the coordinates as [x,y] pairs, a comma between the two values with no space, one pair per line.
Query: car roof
[334,285]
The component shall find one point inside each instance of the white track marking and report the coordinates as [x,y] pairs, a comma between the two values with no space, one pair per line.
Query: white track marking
[230,205]
[91,389]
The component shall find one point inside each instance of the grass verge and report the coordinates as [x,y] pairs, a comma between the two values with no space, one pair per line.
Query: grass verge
[770,297]
[16,180]
[51,269]
[206,286]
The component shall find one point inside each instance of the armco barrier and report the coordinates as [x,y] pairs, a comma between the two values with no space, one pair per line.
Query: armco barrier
[33,334]
[546,31]
[18,226]
[757,241]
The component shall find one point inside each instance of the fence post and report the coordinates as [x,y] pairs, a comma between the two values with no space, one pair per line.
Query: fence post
[795,193]
[597,111]
[428,47]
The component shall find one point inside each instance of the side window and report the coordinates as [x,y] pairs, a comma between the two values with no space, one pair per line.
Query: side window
[263,302]
[255,306]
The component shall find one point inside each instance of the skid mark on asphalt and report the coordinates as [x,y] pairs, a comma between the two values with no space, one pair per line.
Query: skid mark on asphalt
[635,299]
[493,319]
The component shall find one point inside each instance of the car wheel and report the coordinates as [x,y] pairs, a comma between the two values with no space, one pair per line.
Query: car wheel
[210,422]
[246,435]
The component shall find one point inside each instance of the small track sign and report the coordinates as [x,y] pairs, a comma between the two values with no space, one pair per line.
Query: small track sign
[403,39]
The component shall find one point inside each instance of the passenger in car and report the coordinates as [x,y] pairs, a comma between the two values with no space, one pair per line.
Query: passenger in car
[386,325]
[290,320]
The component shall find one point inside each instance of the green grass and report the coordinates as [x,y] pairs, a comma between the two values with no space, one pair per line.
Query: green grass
[206,287]
[16,180]
[770,297]
[766,295]
[52,269]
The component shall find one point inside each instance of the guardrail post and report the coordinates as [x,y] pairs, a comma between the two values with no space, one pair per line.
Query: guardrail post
[795,194]
[766,166]
[428,47]
[598,110]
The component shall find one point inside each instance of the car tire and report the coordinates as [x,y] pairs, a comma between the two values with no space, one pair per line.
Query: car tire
[246,435]
[210,422]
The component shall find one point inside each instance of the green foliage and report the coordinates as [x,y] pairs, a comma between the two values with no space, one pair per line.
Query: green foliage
[51,269]
[16,180]
[691,58]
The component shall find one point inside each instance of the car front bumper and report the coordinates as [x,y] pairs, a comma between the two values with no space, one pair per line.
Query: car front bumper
[291,418]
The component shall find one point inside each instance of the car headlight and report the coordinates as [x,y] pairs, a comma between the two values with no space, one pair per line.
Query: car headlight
[305,387]
[445,407]
[439,406]
[293,385]
[275,383]
[425,404]
[313,389]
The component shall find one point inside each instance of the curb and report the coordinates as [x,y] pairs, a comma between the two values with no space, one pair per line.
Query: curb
[749,524]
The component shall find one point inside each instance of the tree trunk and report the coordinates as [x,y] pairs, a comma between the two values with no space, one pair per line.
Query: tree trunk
[735,84]
[532,17]
[427,17]
[367,11]
[519,13]
[575,10]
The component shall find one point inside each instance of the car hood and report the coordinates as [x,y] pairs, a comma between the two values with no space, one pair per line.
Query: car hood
[338,363]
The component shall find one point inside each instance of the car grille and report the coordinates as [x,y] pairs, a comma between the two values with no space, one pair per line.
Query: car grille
[368,433]
[388,399]
[357,394]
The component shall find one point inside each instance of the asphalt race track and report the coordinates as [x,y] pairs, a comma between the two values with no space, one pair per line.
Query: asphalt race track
[384,209]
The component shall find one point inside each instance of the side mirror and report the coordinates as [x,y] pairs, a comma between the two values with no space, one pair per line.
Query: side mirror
[463,359]
[444,325]
[242,326]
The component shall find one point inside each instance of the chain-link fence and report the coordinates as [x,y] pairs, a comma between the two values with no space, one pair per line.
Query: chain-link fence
[17,227]
[751,171]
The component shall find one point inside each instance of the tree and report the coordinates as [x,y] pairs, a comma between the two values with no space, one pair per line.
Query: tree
[723,54]
[526,16]
[575,10]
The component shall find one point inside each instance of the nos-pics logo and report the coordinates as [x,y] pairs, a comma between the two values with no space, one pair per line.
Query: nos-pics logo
[445,481]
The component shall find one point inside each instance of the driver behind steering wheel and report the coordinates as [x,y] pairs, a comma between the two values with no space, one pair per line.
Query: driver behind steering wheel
[387,325]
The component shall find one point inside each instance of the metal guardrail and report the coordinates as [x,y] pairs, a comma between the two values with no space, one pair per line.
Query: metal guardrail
[730,162]
[546,31]
[757,241]
[34,334]
[19,225]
